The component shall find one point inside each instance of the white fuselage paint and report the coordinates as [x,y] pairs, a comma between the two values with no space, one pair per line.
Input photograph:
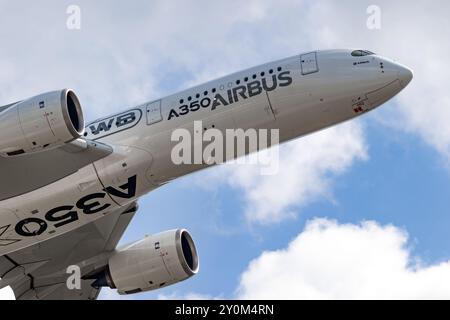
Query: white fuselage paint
[343,87]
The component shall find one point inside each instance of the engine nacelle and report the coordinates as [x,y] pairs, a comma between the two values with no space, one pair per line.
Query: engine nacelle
[156,261]
[43,122]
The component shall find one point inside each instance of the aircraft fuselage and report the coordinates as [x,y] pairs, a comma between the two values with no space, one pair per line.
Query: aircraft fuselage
[297,95]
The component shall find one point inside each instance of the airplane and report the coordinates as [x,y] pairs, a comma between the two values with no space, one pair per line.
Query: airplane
[70,190]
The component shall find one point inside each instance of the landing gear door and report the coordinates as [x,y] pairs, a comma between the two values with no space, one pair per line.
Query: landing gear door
[309,63]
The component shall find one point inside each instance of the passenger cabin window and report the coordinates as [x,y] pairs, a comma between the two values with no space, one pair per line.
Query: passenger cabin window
[361,53]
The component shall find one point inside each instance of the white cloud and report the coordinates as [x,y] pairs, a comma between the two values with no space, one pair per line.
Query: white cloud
[306,169]
[124,55]
[344,261]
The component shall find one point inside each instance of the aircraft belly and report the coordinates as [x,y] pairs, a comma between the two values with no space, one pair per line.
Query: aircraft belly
[303,109]
[124,173]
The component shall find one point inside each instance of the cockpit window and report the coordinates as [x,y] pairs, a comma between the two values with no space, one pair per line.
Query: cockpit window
[361,53]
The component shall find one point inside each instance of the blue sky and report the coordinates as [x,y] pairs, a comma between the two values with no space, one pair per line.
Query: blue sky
[390,167]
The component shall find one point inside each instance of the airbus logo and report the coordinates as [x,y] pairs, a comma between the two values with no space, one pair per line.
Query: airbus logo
[114,124]
[236,94]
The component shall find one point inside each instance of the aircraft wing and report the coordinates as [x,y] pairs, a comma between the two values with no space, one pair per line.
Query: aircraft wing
[40,271]
[30,172]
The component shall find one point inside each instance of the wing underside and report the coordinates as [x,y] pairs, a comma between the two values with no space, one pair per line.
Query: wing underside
[30,172]
[41,271]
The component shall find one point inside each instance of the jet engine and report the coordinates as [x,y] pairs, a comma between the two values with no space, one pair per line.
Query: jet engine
[43,122]
[154,262]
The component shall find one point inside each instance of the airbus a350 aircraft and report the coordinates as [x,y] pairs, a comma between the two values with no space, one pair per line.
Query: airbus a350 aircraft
[69,191]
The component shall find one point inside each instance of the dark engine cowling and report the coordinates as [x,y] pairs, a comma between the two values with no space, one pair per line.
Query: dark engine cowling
[43,122]
[154,262]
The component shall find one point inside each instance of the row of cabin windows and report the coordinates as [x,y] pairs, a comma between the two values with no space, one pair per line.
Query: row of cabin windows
[238,82]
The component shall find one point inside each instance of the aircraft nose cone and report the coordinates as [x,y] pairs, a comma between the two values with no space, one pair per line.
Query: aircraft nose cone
[405,75]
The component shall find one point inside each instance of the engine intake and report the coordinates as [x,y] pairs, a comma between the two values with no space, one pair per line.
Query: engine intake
[154,262]
[40,123]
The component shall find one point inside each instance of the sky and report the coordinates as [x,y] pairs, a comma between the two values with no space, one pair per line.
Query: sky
[356,211]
